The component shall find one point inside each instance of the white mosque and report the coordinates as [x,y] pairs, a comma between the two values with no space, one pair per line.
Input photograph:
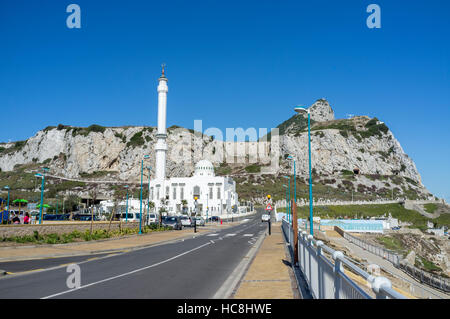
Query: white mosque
[216,195]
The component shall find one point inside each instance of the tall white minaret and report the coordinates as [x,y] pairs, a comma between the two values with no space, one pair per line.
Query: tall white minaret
[161,146]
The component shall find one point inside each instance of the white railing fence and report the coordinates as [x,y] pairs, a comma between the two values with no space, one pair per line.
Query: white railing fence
[326,277]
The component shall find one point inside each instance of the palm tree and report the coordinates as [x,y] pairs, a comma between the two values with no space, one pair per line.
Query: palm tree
[183,205]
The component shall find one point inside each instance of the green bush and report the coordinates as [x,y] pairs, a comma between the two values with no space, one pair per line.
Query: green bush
[254,168]
[136,140]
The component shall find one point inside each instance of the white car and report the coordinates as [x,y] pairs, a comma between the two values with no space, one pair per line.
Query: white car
[265,217]
[153,218]
[186,221]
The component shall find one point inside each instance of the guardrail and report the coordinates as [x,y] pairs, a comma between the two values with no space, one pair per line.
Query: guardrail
[431,280]
[326,278]
[424,277]
[389,255]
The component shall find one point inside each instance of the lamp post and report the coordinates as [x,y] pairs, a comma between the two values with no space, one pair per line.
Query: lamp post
[295,183]
[287,216]
[148,195]
[126,211]
[298,110]
[42,175]
[7,187]
[140,205]
[289,202]
[56,204]
[195,214]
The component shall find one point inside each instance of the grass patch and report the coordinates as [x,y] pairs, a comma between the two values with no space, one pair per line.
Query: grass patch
[391,243]
[254,168]
[364,211]
[94,174]
[430,208]
[427,264]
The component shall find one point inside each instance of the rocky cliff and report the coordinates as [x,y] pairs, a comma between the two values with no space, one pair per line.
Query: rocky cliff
[339,148]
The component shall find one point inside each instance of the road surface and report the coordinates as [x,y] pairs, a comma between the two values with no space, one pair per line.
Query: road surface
[191,268]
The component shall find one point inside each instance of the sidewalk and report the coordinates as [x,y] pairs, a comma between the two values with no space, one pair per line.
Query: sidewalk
[268,276]
[17,253]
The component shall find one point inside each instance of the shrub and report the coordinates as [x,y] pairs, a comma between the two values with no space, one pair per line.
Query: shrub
[136,140]
[254,168]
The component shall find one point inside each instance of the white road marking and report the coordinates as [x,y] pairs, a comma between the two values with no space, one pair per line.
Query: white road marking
[127,273]
[230,235]
[211,235]
[247,235]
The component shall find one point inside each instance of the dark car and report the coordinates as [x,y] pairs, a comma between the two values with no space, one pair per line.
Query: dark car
[214,218]
[84,217]
[172,222]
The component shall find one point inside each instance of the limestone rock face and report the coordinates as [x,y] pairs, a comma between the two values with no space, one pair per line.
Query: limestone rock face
[337,146]
[321,111]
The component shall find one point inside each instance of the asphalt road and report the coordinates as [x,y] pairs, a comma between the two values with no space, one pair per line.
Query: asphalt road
[190,268]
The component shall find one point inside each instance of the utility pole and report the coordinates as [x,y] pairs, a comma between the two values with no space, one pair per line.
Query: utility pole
[195,214]
[295,230]
[269,201]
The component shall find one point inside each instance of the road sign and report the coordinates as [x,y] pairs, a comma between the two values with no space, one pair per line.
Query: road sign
[269,207]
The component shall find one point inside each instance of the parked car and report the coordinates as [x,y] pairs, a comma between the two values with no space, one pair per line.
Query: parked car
[172,222]
[132,217]
[265,217]
[200,221]
[214,218]
[186,221]
[153,218]
[83,217]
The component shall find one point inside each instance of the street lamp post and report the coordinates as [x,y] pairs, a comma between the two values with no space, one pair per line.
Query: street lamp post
[42,175]
[140,206]
[298,110]
[295,183]
[148,195]
[7,187]
[126,211]
[287,216]
[289,203]
[195,214]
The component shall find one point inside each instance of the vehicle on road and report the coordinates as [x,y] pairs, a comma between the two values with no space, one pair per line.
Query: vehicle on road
[265,217]
[173,222]
[200,221]
[214,218]
[186,221]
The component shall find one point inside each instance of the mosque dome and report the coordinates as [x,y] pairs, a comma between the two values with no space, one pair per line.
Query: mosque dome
[204,168]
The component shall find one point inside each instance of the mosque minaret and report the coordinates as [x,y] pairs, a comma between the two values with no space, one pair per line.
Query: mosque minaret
[216,195]
[161,136]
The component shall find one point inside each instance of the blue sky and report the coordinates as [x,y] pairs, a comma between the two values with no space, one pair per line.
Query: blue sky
[231,64]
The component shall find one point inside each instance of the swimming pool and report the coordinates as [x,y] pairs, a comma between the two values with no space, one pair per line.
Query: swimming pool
[356,225]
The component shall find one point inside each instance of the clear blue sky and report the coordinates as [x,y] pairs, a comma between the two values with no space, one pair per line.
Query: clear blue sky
[231,64]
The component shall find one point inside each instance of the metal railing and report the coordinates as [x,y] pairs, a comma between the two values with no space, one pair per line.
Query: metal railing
[427,278]
[326,277]
[424,277]
[389,255]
